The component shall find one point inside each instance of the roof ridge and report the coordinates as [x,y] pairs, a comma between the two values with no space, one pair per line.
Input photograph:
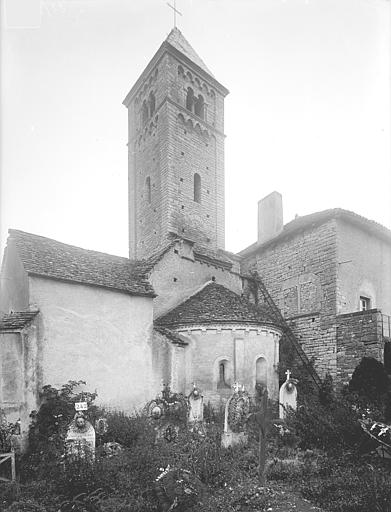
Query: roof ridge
[54,259]
[11,231]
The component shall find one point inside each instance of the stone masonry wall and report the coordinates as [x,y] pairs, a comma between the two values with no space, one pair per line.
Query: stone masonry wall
[359,334]
[175,278]
[364,269]
[300,275]
[165,152]
[195,145]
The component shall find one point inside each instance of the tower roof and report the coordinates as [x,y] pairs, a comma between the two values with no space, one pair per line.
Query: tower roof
[176,39]
[176,44]
[215,304]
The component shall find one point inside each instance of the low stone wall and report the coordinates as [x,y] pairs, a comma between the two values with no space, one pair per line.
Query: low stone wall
[359,334]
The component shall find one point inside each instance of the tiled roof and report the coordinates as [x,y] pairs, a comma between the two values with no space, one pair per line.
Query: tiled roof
[171,335]
[16,320]
[176,39]
[148,264]
[215,304]
[317,218]
[49,258]
[176,44]
[218,257]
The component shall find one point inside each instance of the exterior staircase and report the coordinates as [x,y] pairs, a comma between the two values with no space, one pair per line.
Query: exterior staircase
[280,320]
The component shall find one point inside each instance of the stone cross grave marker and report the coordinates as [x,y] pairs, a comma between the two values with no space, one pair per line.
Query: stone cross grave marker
[288,395]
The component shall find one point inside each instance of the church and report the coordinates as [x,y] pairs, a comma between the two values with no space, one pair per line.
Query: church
[181,309]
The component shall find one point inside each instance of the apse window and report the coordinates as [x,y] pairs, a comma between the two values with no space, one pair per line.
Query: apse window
[223,375]
[365,303]
[197,188]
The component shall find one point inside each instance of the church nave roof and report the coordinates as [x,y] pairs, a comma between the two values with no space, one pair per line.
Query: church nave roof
[49,258]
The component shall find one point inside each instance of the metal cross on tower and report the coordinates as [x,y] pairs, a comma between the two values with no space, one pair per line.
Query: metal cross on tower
[173,7]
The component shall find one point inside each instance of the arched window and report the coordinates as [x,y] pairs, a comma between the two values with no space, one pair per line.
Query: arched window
[197,188]
[190,99]
[223,381]
[199,106]
[148,189]
[151,102]
[261,371]
[144,112]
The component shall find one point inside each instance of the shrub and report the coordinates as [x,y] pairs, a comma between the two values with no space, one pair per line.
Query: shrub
[369,380]
[124,429]
[331,428]
[48,429]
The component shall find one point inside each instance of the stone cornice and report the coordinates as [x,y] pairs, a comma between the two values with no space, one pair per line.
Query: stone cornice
[246,329]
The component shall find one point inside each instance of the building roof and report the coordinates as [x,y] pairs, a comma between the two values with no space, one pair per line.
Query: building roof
[49,258]
[16,320]
[220,258]
[215,304]
[177,45]
[314,219]
[176,39]
[173,336]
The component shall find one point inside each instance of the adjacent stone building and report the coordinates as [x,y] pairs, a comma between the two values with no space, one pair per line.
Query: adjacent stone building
[330,275]
[178,310]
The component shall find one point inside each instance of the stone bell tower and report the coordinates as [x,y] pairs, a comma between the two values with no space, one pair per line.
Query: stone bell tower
[176,151]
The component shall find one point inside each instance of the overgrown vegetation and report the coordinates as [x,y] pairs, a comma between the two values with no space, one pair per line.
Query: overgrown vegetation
[335,463]
[321,450]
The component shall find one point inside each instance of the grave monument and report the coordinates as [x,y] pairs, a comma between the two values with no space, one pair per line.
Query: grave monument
[288,395]
[237,409]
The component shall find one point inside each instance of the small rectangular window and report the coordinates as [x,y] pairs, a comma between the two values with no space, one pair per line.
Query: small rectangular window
[365,303]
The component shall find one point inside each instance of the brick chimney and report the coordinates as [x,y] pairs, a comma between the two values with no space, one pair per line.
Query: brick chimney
[270,218]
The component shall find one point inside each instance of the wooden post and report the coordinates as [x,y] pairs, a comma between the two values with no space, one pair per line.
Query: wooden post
[262,437]
[13,471]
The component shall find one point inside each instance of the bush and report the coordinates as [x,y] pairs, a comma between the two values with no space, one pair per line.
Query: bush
[125,430]
[49,427]
[331,428]
[369,380]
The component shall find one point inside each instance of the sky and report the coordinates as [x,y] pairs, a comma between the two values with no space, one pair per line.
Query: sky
[308,112]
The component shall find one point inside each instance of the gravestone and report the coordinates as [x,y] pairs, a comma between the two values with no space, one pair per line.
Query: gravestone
[288,395]
[80,439]
[236,412]
[168,413]
[196,411]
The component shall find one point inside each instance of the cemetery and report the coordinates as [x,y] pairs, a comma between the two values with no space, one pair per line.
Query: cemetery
[310,451]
